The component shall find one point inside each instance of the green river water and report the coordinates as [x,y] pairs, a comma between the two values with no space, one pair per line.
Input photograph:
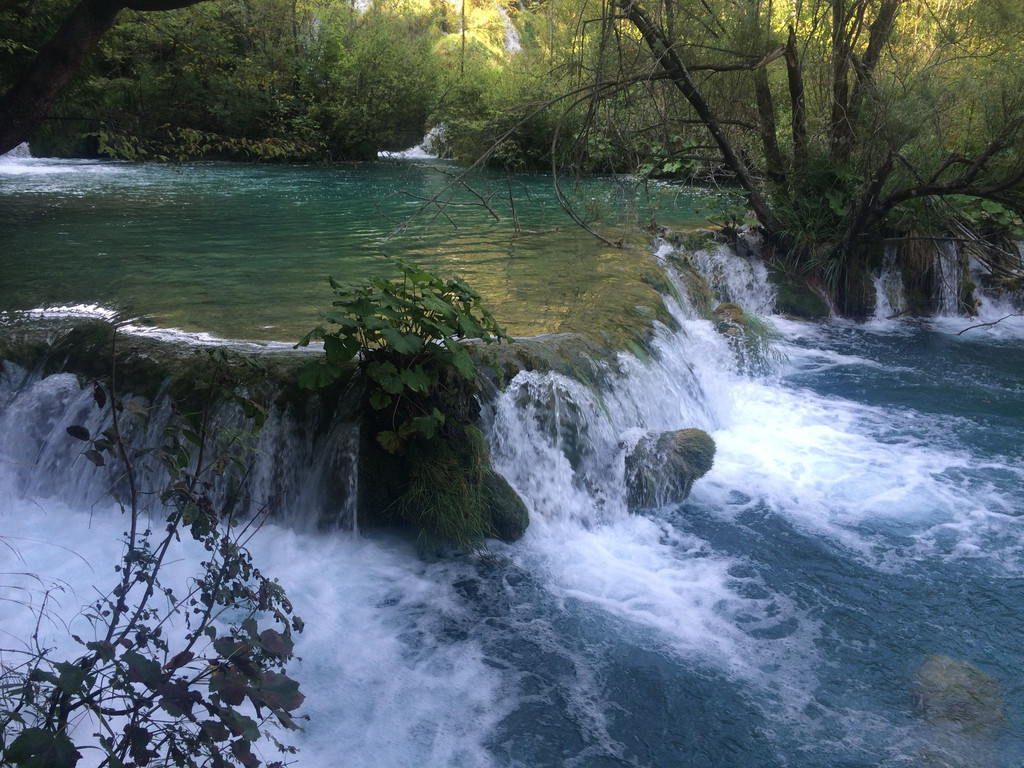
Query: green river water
[241,251]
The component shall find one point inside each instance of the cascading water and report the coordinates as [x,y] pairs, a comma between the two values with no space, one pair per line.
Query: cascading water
[741,281]
[862,518]
[20,152]
[889,299]
[303,469]
[512,44]
[949,275]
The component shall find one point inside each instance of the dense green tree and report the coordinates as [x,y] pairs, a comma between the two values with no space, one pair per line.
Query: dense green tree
[900,118]
[32,93]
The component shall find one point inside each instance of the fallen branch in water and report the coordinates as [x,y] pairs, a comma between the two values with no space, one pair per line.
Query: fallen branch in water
[989,325]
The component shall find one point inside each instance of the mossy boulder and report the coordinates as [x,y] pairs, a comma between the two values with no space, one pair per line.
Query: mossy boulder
[663,466]
[795,296]
[508,515]
[955,695]
[444,487]
[750,337]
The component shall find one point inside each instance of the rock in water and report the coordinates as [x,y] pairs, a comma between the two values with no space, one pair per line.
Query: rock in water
[956,695]
[663,466]
[508,514]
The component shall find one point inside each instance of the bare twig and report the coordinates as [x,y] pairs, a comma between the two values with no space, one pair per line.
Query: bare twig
[990,325]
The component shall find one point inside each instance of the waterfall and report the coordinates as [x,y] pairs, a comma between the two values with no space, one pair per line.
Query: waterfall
[949,276]
[512,44]
[562,444]
[20,152]
[890,300]
[741,280]
[428,149]
[303,469]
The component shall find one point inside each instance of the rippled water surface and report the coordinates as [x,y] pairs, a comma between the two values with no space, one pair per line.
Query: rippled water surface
[241,251]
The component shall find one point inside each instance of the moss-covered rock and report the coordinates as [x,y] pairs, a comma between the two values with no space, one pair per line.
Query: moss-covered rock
[795,296]
[663,466]
[444,487]
[508,514]
[956,695]
[750,337]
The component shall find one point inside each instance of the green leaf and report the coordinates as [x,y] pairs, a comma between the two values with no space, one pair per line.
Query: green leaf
[216,731]
[41,748]
[340,349]
[425,425]
[403,343]
[389,441]
[103,649]
[72,677]
[417,379]
[230,684]
[242,753]
[386,375]
[379,399]
[277,645]
[317,375]
[138,744]
[78,432]
[239,725]
[142,669]
[280,692]
[461,359]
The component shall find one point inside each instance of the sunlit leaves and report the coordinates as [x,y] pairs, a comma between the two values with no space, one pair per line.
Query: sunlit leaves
[409,335]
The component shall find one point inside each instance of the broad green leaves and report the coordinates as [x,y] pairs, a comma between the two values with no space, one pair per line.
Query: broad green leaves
[408,334]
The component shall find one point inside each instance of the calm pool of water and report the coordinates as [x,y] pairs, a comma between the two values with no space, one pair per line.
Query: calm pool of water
[241,251]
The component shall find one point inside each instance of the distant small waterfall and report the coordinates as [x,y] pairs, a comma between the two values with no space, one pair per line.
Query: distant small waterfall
[512,43]
[890,301]
[428,149]
[949,276]
[20,152]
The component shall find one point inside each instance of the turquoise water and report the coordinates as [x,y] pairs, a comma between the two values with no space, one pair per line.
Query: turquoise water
[863,517]
[241,251]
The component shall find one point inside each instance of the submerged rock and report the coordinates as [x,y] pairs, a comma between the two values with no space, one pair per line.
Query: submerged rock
[956,695]
[508,515]
[750,338]
[663,466]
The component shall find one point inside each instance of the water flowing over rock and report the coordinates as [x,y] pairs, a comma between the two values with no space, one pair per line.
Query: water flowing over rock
[956,695]
[662,467]
[20,152]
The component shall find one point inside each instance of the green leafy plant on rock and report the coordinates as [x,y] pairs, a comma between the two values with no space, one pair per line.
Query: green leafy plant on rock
[191,674]
[408,335]
[428,463]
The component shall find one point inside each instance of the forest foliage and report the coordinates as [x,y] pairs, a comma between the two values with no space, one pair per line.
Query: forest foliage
[842,125]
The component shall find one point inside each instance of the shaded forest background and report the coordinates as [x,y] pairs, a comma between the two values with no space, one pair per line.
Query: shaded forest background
[837,126]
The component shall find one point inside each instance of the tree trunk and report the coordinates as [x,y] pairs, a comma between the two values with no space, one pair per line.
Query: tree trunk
[680,76]
[798,106]
[27,104]
[24,107]
[881,30]
[775,167]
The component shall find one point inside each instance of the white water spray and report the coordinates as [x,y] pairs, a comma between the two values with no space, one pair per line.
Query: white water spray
[888,281]
[20,152]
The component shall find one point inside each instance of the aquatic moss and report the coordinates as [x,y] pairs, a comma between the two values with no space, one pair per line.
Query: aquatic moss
[750,337]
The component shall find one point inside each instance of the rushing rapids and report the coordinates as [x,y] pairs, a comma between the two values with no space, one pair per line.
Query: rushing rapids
[827,595]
